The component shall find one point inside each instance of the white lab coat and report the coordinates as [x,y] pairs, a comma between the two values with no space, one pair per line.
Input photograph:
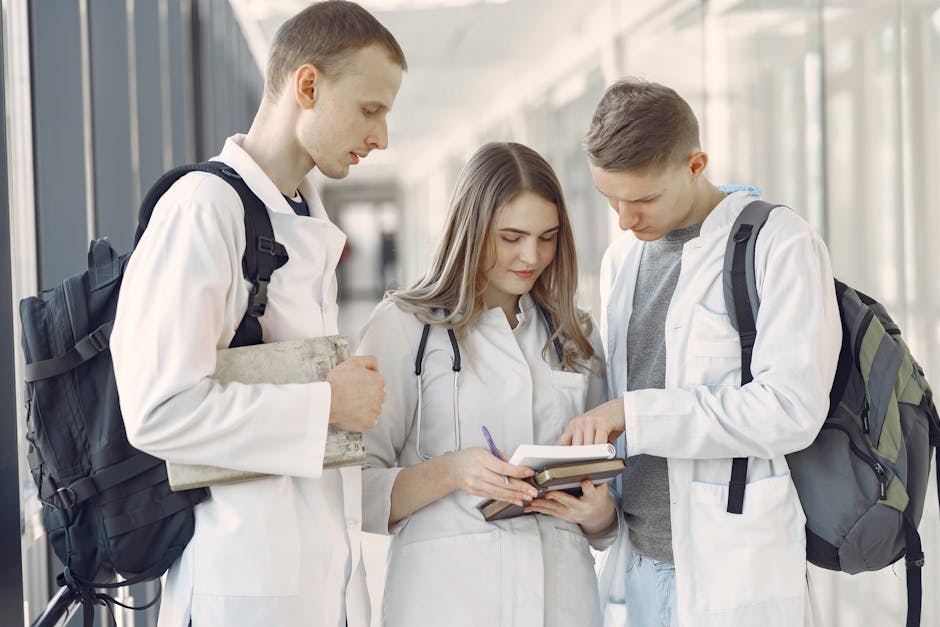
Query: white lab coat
[283,550]
[749,569]
[447,566]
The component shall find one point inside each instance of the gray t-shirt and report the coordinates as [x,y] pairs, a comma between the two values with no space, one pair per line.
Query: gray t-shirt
[646,481]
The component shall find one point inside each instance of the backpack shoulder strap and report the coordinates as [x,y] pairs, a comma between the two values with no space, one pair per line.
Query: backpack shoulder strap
[164,183]
[742,302]
[263,254]
[742,241]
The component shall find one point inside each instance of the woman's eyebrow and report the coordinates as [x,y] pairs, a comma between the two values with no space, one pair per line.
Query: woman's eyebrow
[510,229]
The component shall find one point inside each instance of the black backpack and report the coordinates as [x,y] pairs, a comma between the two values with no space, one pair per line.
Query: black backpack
[863,480]
[107,507]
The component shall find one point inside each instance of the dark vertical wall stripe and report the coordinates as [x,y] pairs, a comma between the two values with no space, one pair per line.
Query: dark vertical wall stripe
[111,125]
[179,41]
[58,143]
[11,583]
[149,91]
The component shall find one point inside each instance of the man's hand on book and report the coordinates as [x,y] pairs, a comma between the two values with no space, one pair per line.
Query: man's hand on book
[594,511]
[600,425]
[478,472]
[357,393]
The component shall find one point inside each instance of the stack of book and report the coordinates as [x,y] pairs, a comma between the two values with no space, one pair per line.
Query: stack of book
[558,468]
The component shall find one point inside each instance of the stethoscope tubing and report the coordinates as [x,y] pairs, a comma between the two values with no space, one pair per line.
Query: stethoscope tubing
[456,367]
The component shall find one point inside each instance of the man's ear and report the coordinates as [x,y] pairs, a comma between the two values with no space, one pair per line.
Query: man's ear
[697,163]
[306,85]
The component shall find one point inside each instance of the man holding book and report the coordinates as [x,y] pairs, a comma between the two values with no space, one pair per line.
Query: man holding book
[281,550]
[674,374]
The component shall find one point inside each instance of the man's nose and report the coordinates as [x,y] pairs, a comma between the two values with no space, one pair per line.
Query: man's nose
[628,219]
[379,137]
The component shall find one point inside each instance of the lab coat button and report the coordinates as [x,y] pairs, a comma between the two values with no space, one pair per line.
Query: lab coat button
[352,523]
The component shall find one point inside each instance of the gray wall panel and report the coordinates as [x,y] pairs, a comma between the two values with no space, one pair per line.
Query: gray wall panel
[111,123]
[179,33]
[58,148]
[11,582]
[202,61]
[218,117]
[150,96]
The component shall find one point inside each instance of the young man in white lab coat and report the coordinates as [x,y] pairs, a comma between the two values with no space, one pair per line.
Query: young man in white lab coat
[283,550]
[674,374]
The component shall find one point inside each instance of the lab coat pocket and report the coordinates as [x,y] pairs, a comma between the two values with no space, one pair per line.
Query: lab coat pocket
[570,393]
[455,580]
[714,356]
[755,557]
[575,582]
[247,540]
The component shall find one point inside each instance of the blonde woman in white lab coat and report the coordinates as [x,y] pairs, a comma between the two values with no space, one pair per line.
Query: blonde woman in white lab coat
[503,277]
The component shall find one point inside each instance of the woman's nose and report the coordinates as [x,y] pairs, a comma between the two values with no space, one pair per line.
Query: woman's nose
[529,252]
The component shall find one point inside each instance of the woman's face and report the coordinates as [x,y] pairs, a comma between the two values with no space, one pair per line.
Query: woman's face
[525,239]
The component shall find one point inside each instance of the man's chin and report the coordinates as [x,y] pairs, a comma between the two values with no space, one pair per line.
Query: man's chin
[335,173]
[646,235]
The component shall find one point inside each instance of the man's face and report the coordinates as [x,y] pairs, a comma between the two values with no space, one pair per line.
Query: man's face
[650,202]
[348,117]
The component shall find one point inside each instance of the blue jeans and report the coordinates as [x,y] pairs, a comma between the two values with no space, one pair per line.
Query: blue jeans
[650,594]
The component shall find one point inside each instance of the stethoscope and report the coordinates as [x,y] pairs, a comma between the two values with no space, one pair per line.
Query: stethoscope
[455,367]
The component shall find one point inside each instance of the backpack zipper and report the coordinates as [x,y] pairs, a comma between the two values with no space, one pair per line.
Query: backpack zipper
[875,465]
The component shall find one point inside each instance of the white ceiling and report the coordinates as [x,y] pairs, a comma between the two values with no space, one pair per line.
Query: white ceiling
[464,58]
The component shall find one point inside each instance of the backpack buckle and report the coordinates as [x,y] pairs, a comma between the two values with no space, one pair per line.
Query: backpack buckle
[915,561]
[99,339]
[267,246]
[743,233]
[67,497]
[259,298]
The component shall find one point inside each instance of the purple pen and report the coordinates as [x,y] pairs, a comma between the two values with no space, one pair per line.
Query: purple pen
[493,449]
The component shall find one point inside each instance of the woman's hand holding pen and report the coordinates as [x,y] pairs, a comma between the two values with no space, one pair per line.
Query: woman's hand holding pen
[477,472]
[594,511]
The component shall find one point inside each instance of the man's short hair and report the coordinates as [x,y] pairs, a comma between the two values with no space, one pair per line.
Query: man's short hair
[638,125]
[325,34]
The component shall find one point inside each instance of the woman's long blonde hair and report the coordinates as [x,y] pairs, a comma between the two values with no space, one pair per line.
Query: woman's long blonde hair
[450,294]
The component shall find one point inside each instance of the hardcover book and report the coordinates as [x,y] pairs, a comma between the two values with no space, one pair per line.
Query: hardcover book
[294,361]
[558,468]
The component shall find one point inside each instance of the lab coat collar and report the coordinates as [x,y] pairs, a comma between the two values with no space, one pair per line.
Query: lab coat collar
[726,212]
[495,315]
[261,184]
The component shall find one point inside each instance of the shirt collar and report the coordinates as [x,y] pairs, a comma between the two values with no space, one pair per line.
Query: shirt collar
[261,184]
[726,212]
[524,310]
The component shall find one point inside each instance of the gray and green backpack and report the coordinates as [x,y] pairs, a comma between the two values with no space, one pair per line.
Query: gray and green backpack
[863,480]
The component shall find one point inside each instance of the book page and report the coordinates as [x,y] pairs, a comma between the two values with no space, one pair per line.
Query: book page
[538,456]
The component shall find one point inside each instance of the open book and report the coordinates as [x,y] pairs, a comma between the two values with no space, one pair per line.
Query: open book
[295,361]
[538,456]
[558,468]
